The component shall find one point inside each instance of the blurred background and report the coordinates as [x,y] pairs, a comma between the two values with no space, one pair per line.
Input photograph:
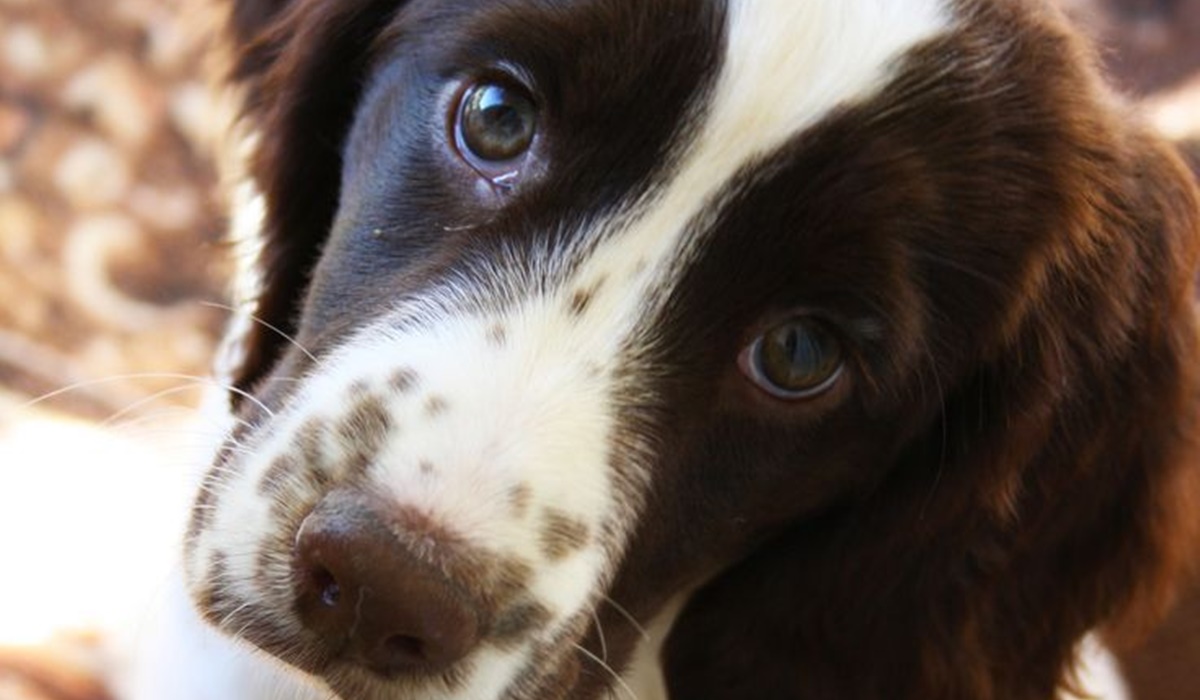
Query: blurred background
[112,276]
[111,228]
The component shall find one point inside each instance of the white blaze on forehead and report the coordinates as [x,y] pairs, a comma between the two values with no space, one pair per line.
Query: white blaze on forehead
[787,64]
[791,62]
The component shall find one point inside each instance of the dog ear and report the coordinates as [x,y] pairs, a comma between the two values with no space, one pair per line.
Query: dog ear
[298,65]
[1056,494]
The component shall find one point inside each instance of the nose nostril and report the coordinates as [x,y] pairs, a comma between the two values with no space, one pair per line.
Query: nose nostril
[405,647]
[327,587]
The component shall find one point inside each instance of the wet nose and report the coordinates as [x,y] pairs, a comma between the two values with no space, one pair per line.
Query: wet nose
[370,598]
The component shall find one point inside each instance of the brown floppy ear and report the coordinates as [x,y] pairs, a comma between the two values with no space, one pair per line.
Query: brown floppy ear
[1056,494]
[248,18]
[299,67]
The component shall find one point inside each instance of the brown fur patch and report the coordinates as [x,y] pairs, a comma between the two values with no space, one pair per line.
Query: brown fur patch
[562,534]
[266,562]
[213,602]
[436,406]
[403,380]
[581,299]
[310,441]
[367,425]
[274,480]
[361,435]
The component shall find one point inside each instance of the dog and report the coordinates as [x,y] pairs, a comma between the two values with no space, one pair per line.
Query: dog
[695,349]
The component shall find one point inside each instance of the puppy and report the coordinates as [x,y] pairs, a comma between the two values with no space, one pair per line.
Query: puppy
[695,349]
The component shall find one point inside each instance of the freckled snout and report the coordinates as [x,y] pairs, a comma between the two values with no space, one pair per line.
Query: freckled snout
[371,598]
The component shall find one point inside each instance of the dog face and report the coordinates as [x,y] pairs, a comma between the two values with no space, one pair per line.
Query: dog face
[602,303]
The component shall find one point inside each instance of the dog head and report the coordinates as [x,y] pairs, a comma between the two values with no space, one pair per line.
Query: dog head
[800,331]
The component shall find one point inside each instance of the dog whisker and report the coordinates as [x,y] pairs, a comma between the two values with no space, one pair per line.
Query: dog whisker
[600,635]
[134,376]
[628,616]
[156,396]
[621,684]
[274,329]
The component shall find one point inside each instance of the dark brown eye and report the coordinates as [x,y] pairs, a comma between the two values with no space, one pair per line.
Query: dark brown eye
[496,123]
[797,359]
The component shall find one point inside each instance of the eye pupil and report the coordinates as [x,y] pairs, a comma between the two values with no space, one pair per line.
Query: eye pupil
[497,123]
[796,359]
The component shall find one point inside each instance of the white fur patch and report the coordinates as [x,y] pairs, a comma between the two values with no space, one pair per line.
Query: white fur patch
[1098,672]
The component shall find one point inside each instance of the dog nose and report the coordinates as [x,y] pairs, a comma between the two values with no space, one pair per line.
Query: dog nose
[370,598]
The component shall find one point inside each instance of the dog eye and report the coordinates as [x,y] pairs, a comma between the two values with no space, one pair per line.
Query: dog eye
[496,125]
[798,359]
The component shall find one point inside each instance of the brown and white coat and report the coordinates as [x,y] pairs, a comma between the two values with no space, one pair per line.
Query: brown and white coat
[531,393]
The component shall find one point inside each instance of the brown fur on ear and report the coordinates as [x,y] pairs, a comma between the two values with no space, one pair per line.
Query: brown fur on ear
[1165,538]
[1157,634]
[1158,667]
[1057,493]
[248,18]
[1049,515]
[299,64]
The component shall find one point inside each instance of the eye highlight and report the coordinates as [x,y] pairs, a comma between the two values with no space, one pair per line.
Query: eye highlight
[495,127]
[797,359]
